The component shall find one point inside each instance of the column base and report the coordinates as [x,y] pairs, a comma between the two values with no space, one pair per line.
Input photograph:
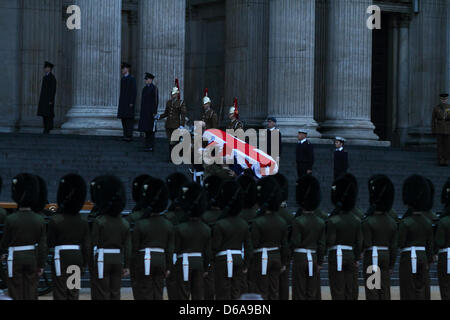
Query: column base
[420,136]
[360,131]
[92,120]
[289,128]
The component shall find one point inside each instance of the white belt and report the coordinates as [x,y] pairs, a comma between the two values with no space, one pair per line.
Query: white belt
[198,176]
[101,259]
[229,254]
[309,256]
[148,257]
[265,258]
[11,251]
[375,250]
[339,249]
[447,251]
[413,256]
[58,258]
[186,257]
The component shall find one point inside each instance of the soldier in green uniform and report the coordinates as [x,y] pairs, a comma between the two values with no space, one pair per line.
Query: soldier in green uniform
[153,241]
[380,237]
[209,118]
[415,240]
[231,244]
[344,239]
[3,212]
[442,241]
[288,218]
[307,241]
[92,266]
[68,235]
[110,238]
[192,245]
[25,240]
[270,240]
[233,116]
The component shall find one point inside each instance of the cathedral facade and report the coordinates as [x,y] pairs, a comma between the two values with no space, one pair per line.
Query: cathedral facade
[312,64]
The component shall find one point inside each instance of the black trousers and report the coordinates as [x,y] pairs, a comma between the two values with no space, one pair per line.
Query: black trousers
[48,124]
[24,283]
[149,139]
[127,125]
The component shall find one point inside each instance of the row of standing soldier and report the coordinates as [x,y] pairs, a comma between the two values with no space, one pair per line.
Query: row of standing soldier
[212,242]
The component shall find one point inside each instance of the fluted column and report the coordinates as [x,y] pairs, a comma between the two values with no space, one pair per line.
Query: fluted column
[41,36]
[10,57]
[348,72]
[291,66]
[403,91]
[96,70]
[246,58]
[162,25]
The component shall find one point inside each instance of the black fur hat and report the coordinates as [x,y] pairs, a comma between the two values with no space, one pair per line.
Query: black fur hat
[381,193]
[72,193]
[416,193]
[154,195]
[175,182]
[109,195]
[25,190]
[193,199]
[445,197]
[212,187]
[308,193]
[344,192]
[248,186]
[268,194]
[137,186]
[231,198]
[42,199]
[284,186]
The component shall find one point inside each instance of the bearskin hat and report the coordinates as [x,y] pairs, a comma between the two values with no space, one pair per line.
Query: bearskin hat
[268,194]
[445,197]
[154,195]
[137,186]
[175,182]
[193,199]
[308,193]
[25,190]
[416,193]
[284,186]
[248,186]
[71,193]
[212,187]
[109,195]
[344,192]
[381,192]
[231,198]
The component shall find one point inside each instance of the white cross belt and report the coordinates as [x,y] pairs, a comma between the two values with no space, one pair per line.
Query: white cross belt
[309,257]
[375,250]
[229,254]
[265,258]
[101,259]
[58,258]
[186,257]
[11,251]
[339,249]
[413,256]
[148,257]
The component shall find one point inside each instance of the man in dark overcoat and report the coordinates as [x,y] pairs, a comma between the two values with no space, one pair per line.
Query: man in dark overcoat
[127,101]
[149,109]
[46,107]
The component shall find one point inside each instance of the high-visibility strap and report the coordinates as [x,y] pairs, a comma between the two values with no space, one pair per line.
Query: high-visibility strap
[186,257]
[229,254]
[265,258]
[57,257]
[339,249]
[11,251]
[309,253]
[148,258]
[101,259]
[413,251]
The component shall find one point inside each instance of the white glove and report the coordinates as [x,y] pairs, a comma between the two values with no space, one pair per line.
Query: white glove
[181,128]
[157,117]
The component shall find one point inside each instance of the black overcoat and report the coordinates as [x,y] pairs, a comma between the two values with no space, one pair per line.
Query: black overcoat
[46,107]
[127,97]
[149,108]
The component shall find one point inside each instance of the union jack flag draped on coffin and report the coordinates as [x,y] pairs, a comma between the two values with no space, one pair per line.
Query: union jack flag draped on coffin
[244,154]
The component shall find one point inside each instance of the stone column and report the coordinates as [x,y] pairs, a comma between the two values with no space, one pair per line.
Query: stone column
[162,25]
[96,70]
[41,39]
[349,73]
[246,59]
[291,66]
[10,82]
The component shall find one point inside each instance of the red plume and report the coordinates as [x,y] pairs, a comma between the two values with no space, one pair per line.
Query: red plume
[177,84]
[205,93]
[236,110]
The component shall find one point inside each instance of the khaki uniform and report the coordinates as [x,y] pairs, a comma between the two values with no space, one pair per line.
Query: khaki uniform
[25,228]
[235,125]
[111,233]
[284,276]
[379,230]
[441,128]
[67,229]
[231,233]
[415,231]
[153,232]
[269,231]
[442,241]
[176,116]
[343,229]
[210,119]
[308,232]
[193,236]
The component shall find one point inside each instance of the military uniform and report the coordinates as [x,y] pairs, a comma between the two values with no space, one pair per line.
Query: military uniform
[210,119]
[46,107]
[304,157]
[235,124]
[176,116]
[340,162]
[441,128]
[442,241]
[3,215]
[127,101]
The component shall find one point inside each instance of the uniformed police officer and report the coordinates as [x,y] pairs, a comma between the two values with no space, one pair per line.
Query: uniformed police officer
[209,117]
[231,244]
[340,158]
[269,239]
[415,240]
[304,154]
[380,238]
[192,245]
[344,239]
[233,116]
[307,241]
[110,238]
[25,240]
[68,235]
[442,241]
[153,241]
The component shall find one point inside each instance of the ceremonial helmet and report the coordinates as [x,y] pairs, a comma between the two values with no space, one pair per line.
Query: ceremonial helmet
[445,197]
[268,194]
[42,199]
[193,199]
[176,89]
[234,109]
[231,198]
[381,193]
[416,193]
[25,190]
[308,193]
[248,186]
[110,195]
[212,185]
[154,195]
[344,192]
[206,99]
[71,194]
